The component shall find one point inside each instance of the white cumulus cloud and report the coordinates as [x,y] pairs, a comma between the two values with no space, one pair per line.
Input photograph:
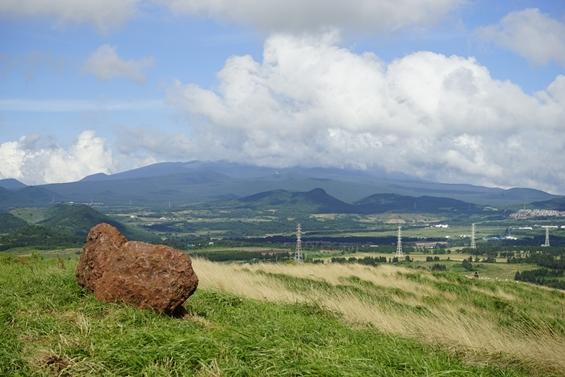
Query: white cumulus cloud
[530,34]
[315,15]
[105,15]
[34,161]
[105,64]
[311,102]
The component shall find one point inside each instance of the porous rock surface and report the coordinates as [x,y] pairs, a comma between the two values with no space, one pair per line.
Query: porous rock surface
[138,273]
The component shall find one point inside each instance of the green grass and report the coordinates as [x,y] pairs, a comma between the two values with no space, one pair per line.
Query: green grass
[499,270]
[30,215]
[49,326]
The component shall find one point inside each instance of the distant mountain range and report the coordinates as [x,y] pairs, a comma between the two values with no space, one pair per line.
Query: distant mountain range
[28,196]
[11,184]
[188,183]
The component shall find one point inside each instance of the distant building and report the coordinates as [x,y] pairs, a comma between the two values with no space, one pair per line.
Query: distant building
[430,245]
[531,213]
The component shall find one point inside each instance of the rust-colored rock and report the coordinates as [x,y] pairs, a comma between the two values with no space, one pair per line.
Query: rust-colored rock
[145,275]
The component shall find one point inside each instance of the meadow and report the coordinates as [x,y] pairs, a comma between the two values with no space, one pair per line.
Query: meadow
[282,319]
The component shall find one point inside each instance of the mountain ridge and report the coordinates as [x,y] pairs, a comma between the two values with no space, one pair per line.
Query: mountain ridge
[379,203]
[554,203]
[11,184]
[187,183]
[319,201]
[29,196]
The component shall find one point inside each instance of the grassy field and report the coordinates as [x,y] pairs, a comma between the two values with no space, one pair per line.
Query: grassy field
[499,270]
[282,320]
[31,215]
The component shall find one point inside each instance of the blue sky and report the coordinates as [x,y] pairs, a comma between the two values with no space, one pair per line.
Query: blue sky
[140,98]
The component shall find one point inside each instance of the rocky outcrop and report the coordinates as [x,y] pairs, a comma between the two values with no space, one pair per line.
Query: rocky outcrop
[137,273]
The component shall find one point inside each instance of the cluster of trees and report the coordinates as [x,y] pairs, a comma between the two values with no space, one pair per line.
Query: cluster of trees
[467,265]
[552,261]
[243,256]
[435,250]
[39,237]
[542,276]
[541,259]
[370,261]
[438,267]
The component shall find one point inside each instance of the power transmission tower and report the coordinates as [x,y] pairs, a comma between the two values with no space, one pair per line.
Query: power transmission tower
[298,256]
[399,243]
[473,244]
[546,244]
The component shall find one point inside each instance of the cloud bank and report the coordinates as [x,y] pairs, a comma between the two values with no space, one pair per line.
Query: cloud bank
[311,102]
[315,15]
[530,34]
[265,15]
[105,64]
[34,160]
[105,15]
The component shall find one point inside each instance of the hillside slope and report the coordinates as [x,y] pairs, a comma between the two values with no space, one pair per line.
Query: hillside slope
[319,201]
[10,223]
[313,201]
[263,322]
[75,219]
[380,203]
[11,184]
[555,203]
[491,321]
[31,196]
[61,225]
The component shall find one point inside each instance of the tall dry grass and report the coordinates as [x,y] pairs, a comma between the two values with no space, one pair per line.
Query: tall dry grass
[503,322]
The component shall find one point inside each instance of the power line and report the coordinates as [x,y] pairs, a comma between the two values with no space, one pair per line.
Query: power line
[298,255]
[473,244]
[399,243]
[546,243]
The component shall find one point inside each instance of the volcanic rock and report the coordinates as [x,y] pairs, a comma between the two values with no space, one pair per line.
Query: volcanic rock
[138,273]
